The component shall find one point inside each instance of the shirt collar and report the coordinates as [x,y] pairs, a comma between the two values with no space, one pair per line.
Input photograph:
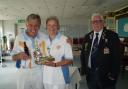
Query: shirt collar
[100,32]
[58,35]
[28,37]
[99,36]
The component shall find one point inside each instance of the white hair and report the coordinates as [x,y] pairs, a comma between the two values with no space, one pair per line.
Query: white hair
[97,14]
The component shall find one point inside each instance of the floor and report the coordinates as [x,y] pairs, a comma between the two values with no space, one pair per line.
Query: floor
[121,84]
[10,72]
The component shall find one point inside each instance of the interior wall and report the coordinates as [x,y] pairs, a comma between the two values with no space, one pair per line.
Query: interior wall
[1,30]
[74,31]
[9,28]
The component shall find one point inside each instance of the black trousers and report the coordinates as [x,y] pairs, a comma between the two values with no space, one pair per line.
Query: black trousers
[94,82]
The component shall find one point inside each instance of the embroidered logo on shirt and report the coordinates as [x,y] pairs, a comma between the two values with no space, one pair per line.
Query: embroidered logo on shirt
[58,47]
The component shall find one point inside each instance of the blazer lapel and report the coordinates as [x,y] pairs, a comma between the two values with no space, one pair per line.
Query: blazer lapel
[90,41]
[102,39]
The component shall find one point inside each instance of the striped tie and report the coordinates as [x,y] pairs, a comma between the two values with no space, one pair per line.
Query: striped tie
[94,52]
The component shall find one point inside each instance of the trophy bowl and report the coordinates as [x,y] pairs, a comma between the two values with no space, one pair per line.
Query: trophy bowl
[50,58]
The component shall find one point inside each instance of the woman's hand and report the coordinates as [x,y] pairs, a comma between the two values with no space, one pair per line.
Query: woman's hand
[58,64]
[50,63]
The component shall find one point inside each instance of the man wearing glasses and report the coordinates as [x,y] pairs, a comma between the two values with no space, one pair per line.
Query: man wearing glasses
[100,55]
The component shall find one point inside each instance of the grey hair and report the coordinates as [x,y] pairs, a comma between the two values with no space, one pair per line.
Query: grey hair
[32,17]
[55,19]
[97,14]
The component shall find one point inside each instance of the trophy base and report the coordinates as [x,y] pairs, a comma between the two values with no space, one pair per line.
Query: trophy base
[38,62]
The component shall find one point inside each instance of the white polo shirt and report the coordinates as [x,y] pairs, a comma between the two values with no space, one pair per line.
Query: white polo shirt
[59,49]
[23,37]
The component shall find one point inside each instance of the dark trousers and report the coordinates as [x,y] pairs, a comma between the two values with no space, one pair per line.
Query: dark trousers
[93,81]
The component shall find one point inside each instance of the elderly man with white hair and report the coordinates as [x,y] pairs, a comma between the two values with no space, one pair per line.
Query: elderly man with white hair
[100,55]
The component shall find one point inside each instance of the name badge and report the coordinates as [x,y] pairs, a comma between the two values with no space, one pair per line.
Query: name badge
[58,47]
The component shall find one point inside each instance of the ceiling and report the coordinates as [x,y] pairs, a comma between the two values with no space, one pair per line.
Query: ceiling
[64,9]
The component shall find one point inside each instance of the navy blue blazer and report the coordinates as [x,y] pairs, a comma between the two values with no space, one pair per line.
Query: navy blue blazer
[108,59]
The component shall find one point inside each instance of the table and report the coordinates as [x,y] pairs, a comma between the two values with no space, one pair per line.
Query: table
[75,77]
[2,64]
[7,57]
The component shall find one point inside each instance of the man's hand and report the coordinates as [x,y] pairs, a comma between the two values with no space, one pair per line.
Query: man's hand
[20,56]
[23,56]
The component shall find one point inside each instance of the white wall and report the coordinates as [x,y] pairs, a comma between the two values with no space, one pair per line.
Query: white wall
[74,31]
[1,30]
[76,27]
[9,28]
[21,27]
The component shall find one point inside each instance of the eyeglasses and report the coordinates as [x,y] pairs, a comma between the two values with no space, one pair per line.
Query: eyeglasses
[97,21]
